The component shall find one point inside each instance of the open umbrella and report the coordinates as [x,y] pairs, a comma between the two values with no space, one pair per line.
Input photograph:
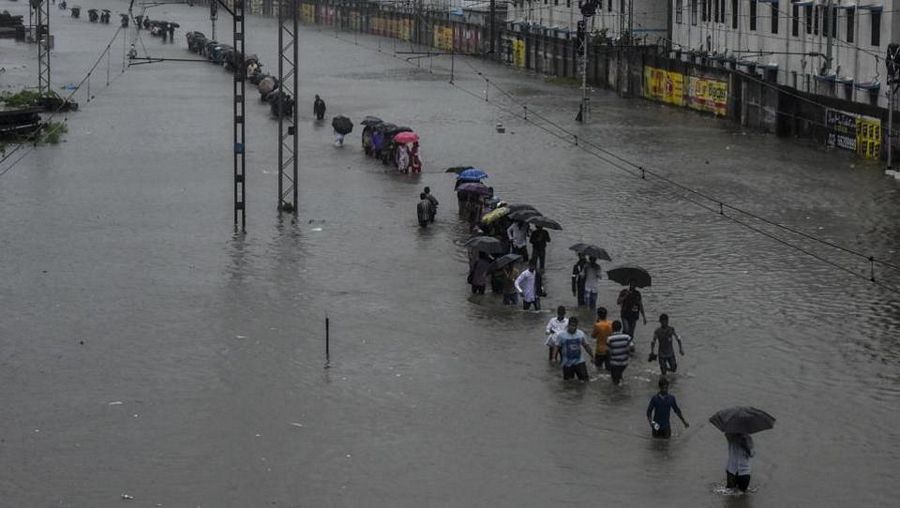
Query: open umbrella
[370,120]
[457,169]
[485,243]
[472,174]
[544,222]
[742,420]
[624,274]
[520,206]
[493,215]
[589,250]
[342,124]
[406,137]
[523,214]
[475,187]
[504,261]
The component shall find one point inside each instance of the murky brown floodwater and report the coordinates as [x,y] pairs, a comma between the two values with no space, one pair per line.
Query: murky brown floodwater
[213,343]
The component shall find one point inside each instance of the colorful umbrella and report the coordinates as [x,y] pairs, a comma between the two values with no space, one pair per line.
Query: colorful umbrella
[406,137]
[472,174]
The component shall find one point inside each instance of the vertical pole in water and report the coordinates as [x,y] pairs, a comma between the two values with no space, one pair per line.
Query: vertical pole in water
[890,125]
[452,64]
[327,344]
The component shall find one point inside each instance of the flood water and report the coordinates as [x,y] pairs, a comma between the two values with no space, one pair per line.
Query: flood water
[146,348]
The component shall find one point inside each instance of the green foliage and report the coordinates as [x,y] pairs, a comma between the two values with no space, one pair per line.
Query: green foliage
[24,98]
[52,133]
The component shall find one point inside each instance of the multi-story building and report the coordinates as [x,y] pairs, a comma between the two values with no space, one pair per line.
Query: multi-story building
[827,47]
[648,20]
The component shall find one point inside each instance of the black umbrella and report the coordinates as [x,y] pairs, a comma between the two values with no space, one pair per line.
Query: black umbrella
[742,420]
[371,120]
[517,207]
[544,222]
[458,169]
[503,261]
[342,124]
[487,244]
[523,214]
[589,249]
[624,274]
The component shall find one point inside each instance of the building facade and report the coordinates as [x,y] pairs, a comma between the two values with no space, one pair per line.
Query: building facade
[827,47]
[648,20]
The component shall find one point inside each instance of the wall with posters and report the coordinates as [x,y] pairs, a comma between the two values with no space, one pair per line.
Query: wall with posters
[664,86]
[696,92]
[709,95]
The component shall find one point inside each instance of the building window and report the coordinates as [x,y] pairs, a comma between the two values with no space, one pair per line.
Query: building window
[555,2]
[693,12]
[795,23]
[679,5]
[734,14]
[851,14]
[716,10]
[834,17]
[704,10]
[752,14]
[816,13]
[722,12]
[807,11]
[876,28]
[569,4]
[774,18]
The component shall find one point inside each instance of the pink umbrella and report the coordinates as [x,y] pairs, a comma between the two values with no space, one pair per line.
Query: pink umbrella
[406,137]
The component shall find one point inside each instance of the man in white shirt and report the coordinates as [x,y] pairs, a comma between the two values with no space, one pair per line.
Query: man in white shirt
[518,239]
[556,325]
[526,286]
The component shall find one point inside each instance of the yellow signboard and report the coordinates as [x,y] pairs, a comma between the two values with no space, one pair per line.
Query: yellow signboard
[443,37]
[664,86]
[518,51]
[868,137]
[405,29]
[308,12]
[708,95]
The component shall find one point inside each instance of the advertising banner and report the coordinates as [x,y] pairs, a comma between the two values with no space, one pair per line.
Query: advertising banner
[664,86]
[708,95]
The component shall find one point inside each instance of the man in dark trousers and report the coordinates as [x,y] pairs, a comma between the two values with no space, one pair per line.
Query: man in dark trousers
[659,410]
[319,108]
[539,240]
[434,204]
[578,279]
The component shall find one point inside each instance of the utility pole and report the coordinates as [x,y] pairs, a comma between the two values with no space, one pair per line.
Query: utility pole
[893,78]
[288,66]
[588,9]
[213,16]
[42,34]
[492,20]
[828,30]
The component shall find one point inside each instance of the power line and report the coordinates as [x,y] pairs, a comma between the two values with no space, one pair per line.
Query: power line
[635,169]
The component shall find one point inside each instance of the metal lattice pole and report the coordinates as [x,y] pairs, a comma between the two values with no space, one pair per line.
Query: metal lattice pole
[288,55]
[240,211]
[43,42]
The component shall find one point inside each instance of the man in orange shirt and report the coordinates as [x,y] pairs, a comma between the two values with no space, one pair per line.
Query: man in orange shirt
[602,331]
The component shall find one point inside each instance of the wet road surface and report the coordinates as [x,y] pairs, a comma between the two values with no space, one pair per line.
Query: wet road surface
[121,238]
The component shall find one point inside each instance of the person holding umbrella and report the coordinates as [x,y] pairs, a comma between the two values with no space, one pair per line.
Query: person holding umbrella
[738,423]
[659,410]
[591,273]
[479,273]
[578,278]
[632,307]
[517,233]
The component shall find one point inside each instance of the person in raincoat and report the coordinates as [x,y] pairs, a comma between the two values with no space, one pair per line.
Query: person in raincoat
[319,108]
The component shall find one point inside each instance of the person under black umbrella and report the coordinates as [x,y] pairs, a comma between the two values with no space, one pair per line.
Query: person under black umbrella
[319,108]
[578,278]
[632,307]
[539,240]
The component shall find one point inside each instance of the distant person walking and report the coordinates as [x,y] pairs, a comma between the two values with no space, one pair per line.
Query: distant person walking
[619,350]
[554,326]
[539,240]
[737,470]
[517,233]
[578,279]
[571,341]
[319,108]
[602,331]
[434,203]
[510,294]
[632,307]
[423,210]
[592,273]
[526,285]
[664,335]
[659,410]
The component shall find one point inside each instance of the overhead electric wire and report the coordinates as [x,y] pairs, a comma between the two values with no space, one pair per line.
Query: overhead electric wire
[639,170]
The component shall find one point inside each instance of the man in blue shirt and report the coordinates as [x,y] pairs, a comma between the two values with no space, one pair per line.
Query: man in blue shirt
[659,410]
[570,343]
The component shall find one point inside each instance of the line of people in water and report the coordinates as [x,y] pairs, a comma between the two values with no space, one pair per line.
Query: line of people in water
[611,345]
